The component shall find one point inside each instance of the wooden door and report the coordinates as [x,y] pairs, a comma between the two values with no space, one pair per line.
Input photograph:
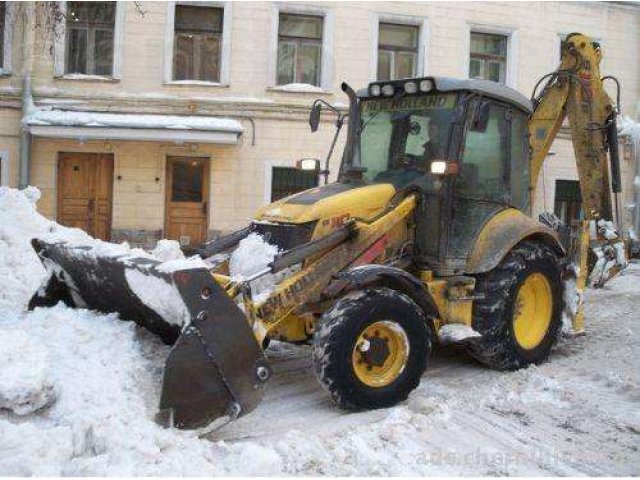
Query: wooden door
[85,190]
[187,200]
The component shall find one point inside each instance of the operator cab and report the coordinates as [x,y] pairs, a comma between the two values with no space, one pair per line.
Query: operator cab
[462,143]
[477,127]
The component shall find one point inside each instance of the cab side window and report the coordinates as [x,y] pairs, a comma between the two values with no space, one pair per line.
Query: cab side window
[484,171]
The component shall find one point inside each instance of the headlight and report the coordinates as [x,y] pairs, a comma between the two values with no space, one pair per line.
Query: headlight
[374,90]
[438,167]
[308,164]
[426,85]
[410,87]
[387,90]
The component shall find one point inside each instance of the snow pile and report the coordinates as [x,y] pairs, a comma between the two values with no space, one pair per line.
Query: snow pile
[25,383]
[167,250]
[253,255]
[160,296]
[572,300]
[79,390]
[456,333]
[106,378]
[21,272]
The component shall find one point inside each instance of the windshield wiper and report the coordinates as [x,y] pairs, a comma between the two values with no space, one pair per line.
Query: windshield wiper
[369,121]
[398,96]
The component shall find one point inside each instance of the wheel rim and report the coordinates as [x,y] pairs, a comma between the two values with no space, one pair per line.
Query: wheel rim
[533,311]
[380,354]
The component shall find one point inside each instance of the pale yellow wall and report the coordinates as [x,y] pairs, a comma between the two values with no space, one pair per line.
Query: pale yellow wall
[237,174]
[536,24]
[560,166]
[10,140]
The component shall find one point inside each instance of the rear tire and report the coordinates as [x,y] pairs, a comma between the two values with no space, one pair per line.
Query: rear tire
[371,349]
[520,316]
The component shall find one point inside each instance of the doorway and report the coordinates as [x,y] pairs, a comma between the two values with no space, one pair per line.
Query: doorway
[85,192]
[187,200]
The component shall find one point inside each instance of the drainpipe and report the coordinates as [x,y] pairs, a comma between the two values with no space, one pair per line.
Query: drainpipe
[27,22]
[25,135]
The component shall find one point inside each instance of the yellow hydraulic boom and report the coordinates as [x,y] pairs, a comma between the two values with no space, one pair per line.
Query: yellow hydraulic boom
[575,91]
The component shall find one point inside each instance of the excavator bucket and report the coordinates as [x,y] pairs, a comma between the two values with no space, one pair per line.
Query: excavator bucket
[216,370]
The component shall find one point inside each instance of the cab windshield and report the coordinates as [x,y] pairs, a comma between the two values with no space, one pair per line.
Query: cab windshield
[400,137]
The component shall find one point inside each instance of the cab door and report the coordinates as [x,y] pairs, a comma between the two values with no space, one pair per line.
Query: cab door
[483,185]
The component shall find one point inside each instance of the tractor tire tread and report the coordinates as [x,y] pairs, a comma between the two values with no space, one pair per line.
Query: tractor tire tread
[335,333]
[492,315]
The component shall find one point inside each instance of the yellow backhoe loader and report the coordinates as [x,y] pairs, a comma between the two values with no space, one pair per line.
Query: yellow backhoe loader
[426,236]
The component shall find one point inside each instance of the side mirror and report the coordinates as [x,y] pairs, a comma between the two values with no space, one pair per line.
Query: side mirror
[481,117]
[314,116]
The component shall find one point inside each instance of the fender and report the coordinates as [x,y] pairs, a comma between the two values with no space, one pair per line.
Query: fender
[395,278]
[501,233]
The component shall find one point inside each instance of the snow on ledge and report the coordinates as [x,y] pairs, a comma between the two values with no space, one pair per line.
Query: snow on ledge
[298,88]
[67,118]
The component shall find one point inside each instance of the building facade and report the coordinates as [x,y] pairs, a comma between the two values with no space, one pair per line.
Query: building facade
[144,120]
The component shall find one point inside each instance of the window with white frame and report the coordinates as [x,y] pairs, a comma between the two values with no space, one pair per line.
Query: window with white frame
[299,49]
[90,33]
[397,51]
[197,48]
[488,56]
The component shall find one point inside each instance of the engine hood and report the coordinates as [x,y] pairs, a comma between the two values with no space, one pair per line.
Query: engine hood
[334,201]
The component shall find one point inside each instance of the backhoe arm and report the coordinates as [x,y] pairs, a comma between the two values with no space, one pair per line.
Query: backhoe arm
[575,91]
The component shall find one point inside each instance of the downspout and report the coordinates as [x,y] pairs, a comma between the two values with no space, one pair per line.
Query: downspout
[28,106]
[25,134]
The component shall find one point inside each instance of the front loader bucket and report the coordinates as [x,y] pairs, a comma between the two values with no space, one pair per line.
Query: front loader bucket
[215,370]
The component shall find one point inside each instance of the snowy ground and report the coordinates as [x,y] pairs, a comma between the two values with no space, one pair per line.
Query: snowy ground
[78,392]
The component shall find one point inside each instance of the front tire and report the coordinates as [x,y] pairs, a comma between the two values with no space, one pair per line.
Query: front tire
[520,316]
[371,349]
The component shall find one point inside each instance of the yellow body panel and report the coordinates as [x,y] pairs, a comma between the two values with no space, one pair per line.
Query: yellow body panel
[499,235]
[453,298]
[281,315]
[362,202]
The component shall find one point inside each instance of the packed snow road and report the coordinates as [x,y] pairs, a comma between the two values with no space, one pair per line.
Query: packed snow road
[579,413]
[79,390]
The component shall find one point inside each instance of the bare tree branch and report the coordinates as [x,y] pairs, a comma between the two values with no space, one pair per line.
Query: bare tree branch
[139,9]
